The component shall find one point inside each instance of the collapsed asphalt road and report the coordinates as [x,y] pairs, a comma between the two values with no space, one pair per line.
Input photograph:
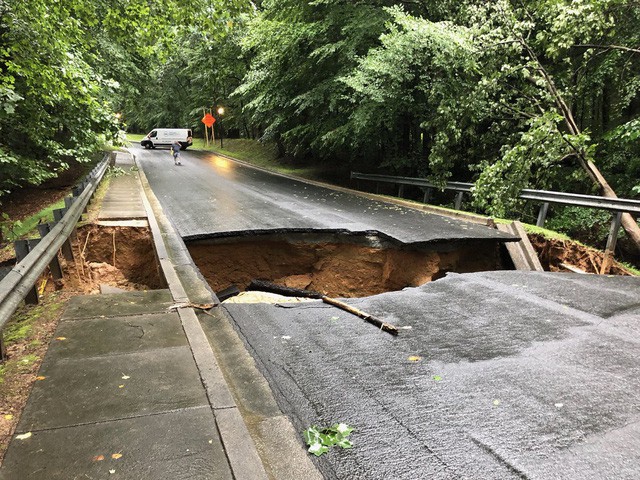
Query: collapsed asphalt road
[521,375]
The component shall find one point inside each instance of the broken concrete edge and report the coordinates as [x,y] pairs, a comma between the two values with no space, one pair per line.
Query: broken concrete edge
[239,446]
[522,253]
[445,212]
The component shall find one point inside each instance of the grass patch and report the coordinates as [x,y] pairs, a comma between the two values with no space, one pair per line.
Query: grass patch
[27,332]
[546,233]
[21,327]
[264,155]
[135,137]
[16,229]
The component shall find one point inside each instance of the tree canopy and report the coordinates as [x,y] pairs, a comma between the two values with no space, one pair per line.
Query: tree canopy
[507,94]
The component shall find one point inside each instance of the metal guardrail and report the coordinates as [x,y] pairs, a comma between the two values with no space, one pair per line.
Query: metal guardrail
[19,282]
[544,196]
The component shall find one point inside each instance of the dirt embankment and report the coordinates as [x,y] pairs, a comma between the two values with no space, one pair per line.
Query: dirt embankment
[335,269]
[121,257]
[556,255]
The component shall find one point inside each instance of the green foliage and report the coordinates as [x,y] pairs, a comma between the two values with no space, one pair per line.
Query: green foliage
[14,229]
[320,440]
[506,94]
[114,172]
[586,225]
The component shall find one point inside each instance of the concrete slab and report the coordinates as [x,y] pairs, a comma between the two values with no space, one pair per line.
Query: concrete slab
[517,375]
[123,198]
[119,304]
[173,445]
[195,286]
[110,336]
[89,390]
[105,288]
[123,223]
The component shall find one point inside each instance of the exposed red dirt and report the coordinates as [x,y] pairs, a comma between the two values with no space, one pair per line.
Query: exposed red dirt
[335,269]
[553,254]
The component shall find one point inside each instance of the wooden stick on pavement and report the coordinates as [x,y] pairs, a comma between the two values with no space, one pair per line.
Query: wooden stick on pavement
[264,286]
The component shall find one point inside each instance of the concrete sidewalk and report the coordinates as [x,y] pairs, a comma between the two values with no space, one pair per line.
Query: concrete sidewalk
[119,396]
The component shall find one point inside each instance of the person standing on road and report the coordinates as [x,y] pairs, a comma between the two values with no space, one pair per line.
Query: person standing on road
[175,150]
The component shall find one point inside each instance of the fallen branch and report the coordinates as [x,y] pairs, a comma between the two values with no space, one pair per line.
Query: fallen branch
[571,268]
[264,286]
[204,307]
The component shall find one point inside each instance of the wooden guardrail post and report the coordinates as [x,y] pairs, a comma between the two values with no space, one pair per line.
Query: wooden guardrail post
[54,265]
[611,243]
[542,214]
[458,204]
[22,250]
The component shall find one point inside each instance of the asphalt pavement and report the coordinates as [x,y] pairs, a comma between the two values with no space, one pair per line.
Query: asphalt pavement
[211,196]
[494,375]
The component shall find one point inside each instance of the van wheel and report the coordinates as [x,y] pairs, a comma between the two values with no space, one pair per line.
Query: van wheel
[153,146]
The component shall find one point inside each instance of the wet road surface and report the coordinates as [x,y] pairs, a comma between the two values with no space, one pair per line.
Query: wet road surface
[520,375]
[212,196]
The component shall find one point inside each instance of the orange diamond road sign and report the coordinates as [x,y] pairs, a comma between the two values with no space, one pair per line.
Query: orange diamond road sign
[208,120]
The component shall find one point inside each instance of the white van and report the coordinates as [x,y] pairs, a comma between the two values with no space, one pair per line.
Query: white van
[160,137]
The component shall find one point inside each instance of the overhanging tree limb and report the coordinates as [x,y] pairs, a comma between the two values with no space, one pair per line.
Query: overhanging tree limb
[628,222]
[608,47]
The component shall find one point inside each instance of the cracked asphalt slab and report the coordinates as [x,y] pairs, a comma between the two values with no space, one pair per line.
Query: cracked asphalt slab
[521,375]
[212,196]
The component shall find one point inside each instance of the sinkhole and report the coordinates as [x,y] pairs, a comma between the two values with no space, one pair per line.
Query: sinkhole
[334,264]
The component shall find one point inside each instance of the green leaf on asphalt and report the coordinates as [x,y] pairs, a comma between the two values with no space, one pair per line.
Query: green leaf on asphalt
[320,440]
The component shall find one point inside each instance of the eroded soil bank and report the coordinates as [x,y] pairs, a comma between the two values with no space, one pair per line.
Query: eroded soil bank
[556,255]
[326,265]
[120,257]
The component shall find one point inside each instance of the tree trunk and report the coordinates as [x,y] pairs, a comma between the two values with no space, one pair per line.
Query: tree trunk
[628,222]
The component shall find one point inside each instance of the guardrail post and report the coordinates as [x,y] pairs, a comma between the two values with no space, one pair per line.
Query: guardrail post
[458,203]
[401,190]
[542,214]
[54,266]
[22,250]
[3,348]
[611,244]
[428,192]
[33,298]
[68,202]
[58,214]
[67,251]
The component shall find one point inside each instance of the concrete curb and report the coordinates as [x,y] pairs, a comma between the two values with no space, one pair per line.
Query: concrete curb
[241,451]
